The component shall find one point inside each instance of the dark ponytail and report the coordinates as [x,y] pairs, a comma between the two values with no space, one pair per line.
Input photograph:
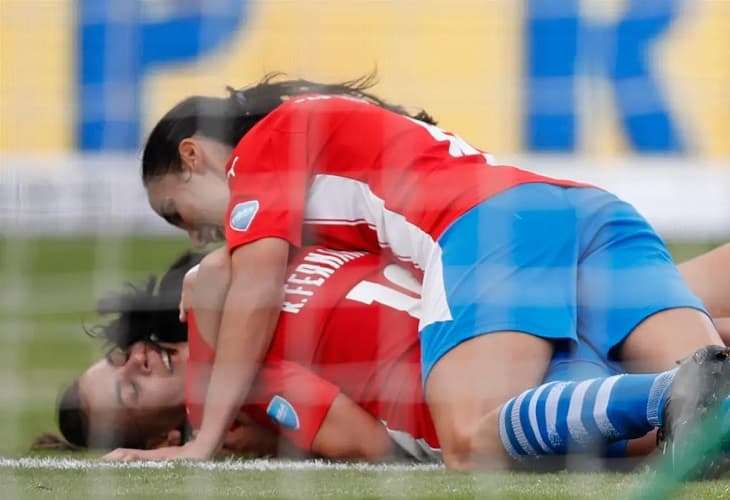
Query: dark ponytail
[228,119]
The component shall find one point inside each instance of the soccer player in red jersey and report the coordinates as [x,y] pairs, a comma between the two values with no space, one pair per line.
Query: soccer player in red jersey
[348,327]
[514,265]
[347,335]
[345,359]
[341,379]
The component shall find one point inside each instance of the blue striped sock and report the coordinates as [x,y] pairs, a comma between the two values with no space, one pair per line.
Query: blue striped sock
[561,416]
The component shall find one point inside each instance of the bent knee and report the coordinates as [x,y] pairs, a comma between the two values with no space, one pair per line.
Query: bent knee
[477,446]
[459,450]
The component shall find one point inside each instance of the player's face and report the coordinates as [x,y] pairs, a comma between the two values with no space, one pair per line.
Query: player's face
[195,203]
[196,198]
[143,387]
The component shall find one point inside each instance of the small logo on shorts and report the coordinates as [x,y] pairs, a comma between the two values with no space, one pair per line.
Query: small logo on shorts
[281,411]
[242,215]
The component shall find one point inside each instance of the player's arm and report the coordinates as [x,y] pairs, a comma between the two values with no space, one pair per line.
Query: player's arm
[708,275]
[250,313]
[315,416]
[349,432]
[266,207]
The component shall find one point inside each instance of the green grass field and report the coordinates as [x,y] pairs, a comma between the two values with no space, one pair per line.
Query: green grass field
[48,290]
[271,479]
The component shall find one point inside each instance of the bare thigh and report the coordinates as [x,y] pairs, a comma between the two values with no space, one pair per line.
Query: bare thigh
[664,338]
[475,378]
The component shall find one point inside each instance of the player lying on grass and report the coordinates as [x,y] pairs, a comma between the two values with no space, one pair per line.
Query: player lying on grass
[514,265]
[366,353]
[327,354]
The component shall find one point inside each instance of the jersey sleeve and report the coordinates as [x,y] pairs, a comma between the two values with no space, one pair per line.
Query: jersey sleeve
[293,398]
[268,176]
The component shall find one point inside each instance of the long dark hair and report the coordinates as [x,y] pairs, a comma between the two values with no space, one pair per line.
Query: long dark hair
[228,119]
[146,313]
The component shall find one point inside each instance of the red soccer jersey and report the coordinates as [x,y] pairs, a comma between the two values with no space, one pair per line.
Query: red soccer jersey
[348,324]
[349,175]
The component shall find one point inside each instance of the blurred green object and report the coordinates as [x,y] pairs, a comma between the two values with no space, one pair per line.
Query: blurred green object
[666,474]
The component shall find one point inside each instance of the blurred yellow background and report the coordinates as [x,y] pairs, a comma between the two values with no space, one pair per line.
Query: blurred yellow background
[462,60]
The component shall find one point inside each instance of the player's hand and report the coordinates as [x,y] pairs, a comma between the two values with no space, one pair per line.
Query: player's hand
[187,452]
[128,455]
[186,296]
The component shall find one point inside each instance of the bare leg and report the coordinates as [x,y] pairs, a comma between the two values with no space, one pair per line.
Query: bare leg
[666,337]
[708,275]
[654,346]
[489,434]
[642,447]
[474,379]
[723,328]
[553,419]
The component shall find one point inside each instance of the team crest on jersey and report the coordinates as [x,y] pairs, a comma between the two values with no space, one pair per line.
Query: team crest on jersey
[242,215]
[282,412]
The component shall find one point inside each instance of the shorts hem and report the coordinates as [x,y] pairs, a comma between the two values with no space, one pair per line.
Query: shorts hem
[486,330]
[609,347]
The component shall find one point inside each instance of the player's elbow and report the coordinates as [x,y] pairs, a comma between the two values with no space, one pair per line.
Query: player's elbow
[375,446]
[380,447]
[349,432]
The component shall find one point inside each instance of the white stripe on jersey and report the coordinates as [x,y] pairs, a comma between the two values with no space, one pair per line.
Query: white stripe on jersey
[335,200]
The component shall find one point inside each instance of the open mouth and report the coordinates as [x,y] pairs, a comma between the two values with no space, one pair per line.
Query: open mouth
[166,356]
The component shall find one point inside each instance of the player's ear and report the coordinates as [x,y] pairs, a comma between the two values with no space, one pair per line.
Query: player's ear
[190,154]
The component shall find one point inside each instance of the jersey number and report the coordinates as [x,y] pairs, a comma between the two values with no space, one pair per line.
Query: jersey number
[367,292]
[458,147]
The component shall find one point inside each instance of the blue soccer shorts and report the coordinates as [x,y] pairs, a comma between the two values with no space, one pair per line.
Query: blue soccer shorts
[555,262]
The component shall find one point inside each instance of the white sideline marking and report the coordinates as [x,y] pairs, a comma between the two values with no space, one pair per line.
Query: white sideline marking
[227,465]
